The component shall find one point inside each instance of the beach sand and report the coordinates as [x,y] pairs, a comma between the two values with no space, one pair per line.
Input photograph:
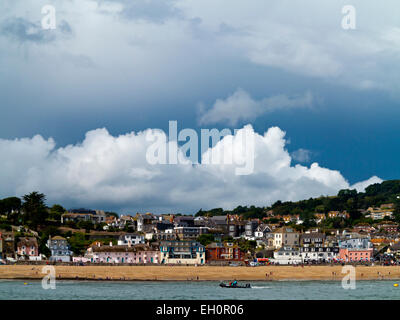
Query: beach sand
[179,273]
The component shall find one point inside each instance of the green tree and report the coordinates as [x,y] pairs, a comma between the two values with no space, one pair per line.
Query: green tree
[227,238]
[396,212]
[35,210]
[56,211]
[247,246]
[44,236]
[78,243]
[87,225]
[5,226]
[11,208]
[100,226]
[114,214]
[205,239]
[71,224]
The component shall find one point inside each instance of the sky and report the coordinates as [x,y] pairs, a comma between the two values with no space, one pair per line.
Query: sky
[78,101]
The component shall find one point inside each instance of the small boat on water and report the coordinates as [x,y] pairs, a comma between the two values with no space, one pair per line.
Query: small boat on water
[224,285]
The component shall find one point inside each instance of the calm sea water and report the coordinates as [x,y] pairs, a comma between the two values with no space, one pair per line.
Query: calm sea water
[303,290]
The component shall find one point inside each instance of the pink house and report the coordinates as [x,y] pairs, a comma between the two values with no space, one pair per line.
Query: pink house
[138,254]
[28,247]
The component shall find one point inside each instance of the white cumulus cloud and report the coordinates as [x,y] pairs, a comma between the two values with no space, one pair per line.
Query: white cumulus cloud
[110,172]
[360,186]
[240,106]
[301,155]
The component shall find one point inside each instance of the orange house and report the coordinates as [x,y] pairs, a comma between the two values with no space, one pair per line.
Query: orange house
[349,255]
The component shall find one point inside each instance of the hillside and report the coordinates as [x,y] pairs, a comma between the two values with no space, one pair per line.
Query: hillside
[349,200]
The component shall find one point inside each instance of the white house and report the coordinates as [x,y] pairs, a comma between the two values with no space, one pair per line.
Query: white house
[131,238]
[60,249]
[262,231]
[319,254]
[287,255]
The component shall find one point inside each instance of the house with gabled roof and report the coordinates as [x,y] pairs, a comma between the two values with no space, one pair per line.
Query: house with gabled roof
[262,230]
[59,248]
[27,247]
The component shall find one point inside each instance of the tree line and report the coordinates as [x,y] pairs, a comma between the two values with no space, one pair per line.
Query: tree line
[347,199]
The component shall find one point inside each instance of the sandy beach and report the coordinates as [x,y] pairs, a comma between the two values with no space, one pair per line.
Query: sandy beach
[183,273]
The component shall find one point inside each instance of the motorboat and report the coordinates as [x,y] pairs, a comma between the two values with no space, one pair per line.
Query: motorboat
[232,285]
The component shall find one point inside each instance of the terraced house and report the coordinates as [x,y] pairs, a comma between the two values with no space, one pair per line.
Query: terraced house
[182,252]
[356,249]
[286,237]
[287,255]
[185,233]
[135,254]
[312,239]
[319,254]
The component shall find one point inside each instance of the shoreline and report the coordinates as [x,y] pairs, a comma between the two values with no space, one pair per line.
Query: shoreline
[197,274]
[190,281]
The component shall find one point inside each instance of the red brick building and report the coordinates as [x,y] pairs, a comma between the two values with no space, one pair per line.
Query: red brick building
[224,252]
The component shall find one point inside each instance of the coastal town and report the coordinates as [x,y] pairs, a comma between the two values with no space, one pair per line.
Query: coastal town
[215,238]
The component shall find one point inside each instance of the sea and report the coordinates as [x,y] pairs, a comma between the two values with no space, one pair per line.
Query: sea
[198,290]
